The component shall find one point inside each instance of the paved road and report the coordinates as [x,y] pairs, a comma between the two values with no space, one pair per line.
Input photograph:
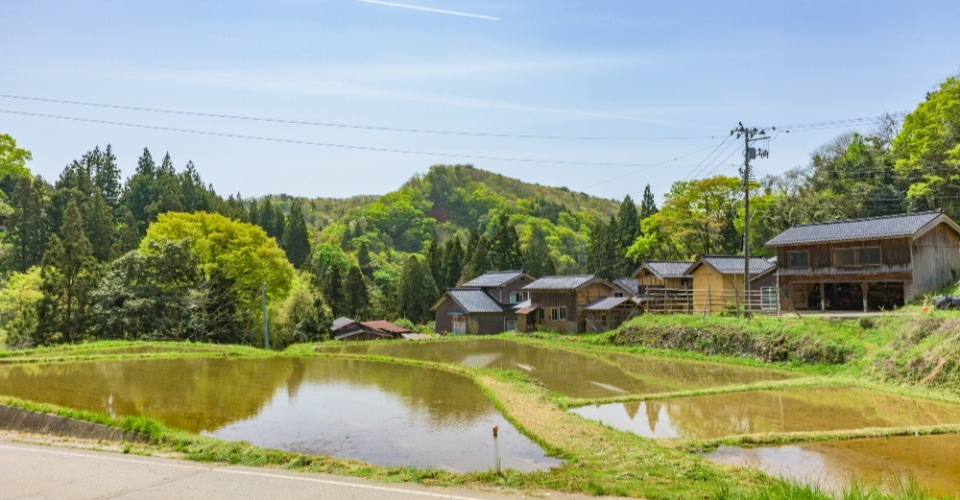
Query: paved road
[30,471]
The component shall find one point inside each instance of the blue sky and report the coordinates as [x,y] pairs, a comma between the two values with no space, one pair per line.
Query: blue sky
[640,73]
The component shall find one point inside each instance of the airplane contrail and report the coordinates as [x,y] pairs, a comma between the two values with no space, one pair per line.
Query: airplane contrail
[428,9]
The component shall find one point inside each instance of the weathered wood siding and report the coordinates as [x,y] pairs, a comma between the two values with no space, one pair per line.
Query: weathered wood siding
[710,289]
[443,318]
[503,294]
[894,257]
[486,324]
[573,300]
[936,260]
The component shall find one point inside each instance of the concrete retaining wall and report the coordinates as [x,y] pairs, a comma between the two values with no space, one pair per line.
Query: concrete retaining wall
[17,419]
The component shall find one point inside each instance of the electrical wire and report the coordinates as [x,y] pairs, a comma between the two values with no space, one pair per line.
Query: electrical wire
[325,144]
[344,125]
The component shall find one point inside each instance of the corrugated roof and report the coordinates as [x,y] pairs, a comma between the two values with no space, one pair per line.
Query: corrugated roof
[493,279]
[560,282]
[665,269]
[891,226]
[606,304]
[385,326]
[731,264]
[474,300]
[340,323]
[628,284]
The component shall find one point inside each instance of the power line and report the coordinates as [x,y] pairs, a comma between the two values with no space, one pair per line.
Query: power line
[664,162]
[345,125]
[325,144]
[707,161]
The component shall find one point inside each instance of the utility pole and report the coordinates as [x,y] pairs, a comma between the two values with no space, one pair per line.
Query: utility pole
[749,135]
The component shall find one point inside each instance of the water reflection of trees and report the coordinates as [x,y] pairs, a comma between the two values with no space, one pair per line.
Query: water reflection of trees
[206,394]
[680,374]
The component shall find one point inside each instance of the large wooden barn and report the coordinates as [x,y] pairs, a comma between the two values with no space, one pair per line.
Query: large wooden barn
[866,264]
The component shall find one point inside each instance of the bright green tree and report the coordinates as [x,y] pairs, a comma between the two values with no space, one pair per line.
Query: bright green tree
[13,159]
[19,297]
[240,254]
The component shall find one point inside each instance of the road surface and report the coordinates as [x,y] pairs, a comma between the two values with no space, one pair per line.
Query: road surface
[31,471]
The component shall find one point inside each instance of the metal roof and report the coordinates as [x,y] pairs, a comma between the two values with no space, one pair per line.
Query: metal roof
[385,326]
[474,300]
[560,282]
[891,226]
[665,269]
[731,264]
[606,304]
[340,323]
[494,279]
[628,284]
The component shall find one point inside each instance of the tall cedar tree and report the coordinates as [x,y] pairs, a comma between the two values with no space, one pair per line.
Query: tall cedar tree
[536,255]
[452,264]
[99,225]
[363,258]
[504,246]
[296,241]
[127,236]
[479,261]
[418,291]
[141,190]
[333,292]
[106,177]
[69,277]
[27,229]
[648,206]
[628,228]
[357,299]
[602,250]
[434,259]
[472,241]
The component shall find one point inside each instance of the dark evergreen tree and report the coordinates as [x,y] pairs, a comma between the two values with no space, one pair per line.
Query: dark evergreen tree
[296,240]
[253,213]
[418,291]
[434,259]
[536,256]
[602,250]
[316,325]
[333,293]
[363,258]
[106,177]
[648,206]
[127,234]
[628,228]
[279,222]
[141,190]
[452,268]
[504,246]
[168,198]
[69,277]
[194,195]
[472,241]
[27,228]
[100,229]
[217,317]
[357,297]
[479,261]
[266,219]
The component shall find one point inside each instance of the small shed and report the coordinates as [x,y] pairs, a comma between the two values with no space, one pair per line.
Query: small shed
[611,312]
[348,329]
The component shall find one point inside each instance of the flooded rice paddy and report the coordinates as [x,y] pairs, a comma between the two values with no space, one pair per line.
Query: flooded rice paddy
[576,374]
[381,413]
[931,460]
[788,410]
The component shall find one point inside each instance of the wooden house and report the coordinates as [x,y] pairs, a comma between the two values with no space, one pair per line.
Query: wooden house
[866,264]
[559,303]
[348,329]
[665,286]
[484,305]
[717,284]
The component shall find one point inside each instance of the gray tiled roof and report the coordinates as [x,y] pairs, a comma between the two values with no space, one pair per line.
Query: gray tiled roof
[340,323]
[475,301]
[734,264]
[668,268]
[606,304]
[892,226]
[493,279]
[628,284]
[560,282]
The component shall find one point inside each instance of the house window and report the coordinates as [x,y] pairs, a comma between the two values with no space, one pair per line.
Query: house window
[798,260]
[856,257]
[554,314]
[511,325]
[563,314]
[516,297]
[540,314]
[768,298]
[618,294]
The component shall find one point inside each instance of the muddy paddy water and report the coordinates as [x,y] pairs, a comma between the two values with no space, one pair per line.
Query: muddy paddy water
[788,410]
[381,413]
[581,375]
[931,460]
